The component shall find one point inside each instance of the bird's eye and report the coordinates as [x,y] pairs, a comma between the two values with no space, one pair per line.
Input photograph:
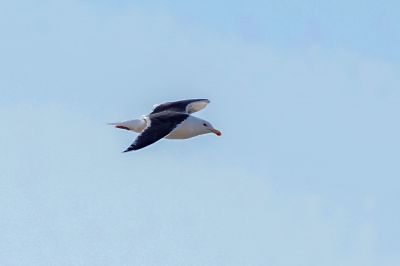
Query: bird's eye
[204,124]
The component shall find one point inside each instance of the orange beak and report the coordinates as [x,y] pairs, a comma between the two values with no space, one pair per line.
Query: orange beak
[216,132]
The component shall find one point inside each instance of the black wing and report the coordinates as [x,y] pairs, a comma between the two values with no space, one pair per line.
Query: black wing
[161,124]
[184,106]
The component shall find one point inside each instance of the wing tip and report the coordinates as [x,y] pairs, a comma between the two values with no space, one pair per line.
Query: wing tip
[202,100]
[129,149]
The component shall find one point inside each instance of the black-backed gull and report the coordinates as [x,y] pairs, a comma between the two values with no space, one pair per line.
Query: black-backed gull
[171,120]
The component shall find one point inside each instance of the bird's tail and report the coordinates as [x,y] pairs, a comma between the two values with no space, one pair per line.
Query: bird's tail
[136,125]
[119,125]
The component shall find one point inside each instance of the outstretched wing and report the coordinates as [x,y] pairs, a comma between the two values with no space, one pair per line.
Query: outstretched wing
[184,106]
[161,124]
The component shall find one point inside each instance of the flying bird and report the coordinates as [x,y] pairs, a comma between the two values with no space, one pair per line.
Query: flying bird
[170,120]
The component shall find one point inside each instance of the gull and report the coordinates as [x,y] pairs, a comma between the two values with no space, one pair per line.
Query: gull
[170,120]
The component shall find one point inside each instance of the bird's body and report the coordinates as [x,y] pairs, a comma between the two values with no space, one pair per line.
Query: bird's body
[189,128]
[171,120]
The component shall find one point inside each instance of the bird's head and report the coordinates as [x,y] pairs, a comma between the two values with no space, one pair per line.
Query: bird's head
[210,129]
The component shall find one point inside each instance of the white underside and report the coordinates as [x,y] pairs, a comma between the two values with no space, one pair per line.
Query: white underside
[190,127]
[185,130]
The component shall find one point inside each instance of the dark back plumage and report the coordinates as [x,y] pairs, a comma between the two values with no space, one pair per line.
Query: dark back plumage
[184,106]
[161,124]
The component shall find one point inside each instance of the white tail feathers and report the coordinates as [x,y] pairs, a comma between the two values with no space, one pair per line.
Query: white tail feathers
[137,125]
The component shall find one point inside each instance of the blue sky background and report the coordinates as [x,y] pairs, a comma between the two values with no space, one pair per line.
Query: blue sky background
[306,94]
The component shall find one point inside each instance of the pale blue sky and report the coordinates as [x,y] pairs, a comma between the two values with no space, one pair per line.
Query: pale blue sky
[306,94]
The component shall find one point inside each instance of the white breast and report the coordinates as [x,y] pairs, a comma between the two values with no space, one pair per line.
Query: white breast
[189,128]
